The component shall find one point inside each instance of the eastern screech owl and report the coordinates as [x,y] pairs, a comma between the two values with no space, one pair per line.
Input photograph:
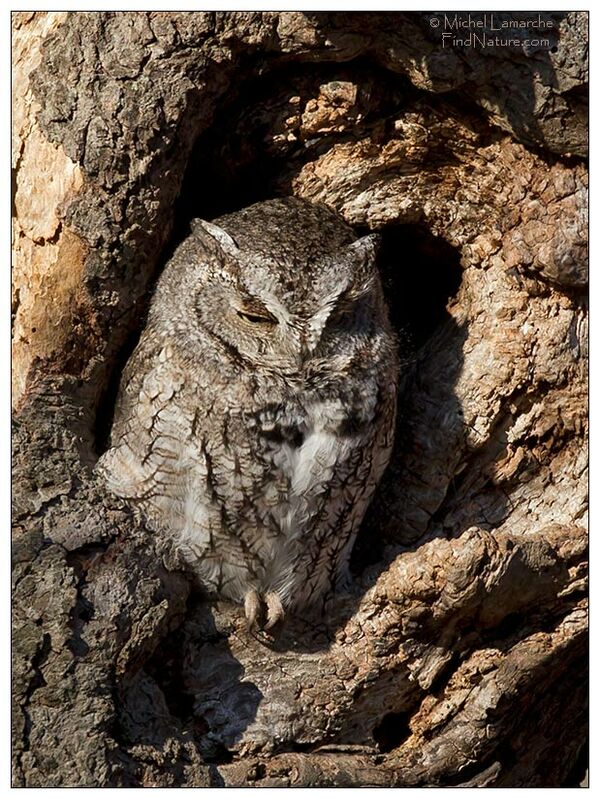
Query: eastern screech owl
[256,414]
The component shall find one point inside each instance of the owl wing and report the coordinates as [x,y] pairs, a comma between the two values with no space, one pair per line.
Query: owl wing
[150,430]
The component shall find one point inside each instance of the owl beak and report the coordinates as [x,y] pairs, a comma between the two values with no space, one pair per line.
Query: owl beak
[304,345]
[307,347]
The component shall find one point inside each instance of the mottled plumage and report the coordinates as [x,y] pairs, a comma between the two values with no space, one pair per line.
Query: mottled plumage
[256,414]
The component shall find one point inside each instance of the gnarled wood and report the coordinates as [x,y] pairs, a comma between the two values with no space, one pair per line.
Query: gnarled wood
[458,657]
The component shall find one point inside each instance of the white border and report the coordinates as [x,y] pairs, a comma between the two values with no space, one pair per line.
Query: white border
[185,5]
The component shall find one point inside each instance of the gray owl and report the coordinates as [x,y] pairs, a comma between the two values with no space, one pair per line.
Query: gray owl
[256,414]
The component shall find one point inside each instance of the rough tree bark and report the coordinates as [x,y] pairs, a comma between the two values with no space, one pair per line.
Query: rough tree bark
[459,656]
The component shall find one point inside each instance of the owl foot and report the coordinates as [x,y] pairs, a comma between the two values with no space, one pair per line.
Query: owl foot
[252,608]
[257,608]
[275,611]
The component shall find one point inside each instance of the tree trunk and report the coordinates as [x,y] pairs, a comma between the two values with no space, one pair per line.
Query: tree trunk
[459,655]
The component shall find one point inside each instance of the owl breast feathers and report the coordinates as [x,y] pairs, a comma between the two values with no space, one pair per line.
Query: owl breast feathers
[256,414]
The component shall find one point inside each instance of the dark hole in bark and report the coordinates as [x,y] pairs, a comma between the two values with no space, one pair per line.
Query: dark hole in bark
[511,625]
[421,273]
[236,163]
[165,667]
[299,746]
[392,731]
[259,772]
[219,755]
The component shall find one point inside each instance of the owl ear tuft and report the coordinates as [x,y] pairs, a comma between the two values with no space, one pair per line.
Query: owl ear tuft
[365,248]
[228,244]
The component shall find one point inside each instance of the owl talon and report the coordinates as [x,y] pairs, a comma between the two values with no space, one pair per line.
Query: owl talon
[252,608]
[275,611]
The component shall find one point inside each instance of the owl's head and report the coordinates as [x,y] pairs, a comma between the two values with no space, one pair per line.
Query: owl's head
[281,289]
